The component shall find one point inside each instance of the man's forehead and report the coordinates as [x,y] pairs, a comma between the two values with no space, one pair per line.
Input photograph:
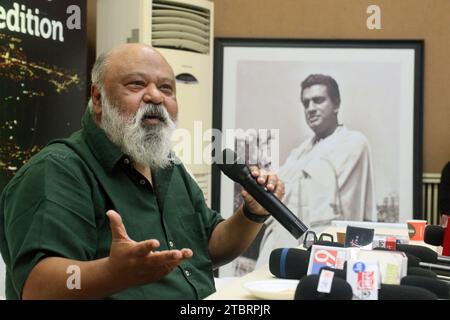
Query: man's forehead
[315,90]
[144,75]
[138,60]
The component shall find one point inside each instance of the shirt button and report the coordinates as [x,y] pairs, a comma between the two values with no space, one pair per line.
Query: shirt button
[171,244]
[126,161]
[142,181]
[187,273]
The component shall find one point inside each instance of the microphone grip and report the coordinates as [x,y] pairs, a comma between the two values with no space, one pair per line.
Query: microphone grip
[274,206]
[434,266]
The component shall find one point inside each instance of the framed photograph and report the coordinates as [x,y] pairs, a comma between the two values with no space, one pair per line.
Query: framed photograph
[339,121]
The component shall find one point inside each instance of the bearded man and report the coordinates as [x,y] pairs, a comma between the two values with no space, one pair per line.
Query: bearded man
[109,212]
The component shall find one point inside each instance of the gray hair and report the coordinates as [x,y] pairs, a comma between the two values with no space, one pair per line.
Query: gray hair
[98,73]
[98,70]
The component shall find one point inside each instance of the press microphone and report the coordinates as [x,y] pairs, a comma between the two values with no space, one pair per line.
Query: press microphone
[422,272]
[289,263]
[341,290]
[417,271]
[404,292]
[439,288]
[438,236]
[307,289]
[434,235]
[241,174]
[423,253]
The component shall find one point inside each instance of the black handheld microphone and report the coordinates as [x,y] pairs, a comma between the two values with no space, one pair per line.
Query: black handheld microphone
[241,174]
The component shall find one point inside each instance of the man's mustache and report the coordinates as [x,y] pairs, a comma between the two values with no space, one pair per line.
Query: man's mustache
[312,115]
[157,111]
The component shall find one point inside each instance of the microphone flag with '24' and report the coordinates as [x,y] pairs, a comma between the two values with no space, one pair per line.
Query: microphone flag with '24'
[239,173]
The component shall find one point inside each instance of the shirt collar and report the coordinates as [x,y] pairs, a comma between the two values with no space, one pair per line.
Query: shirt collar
[316,139]
[107,153]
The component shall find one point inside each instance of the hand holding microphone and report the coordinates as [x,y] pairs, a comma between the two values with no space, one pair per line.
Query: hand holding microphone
[268,181]
[263,197]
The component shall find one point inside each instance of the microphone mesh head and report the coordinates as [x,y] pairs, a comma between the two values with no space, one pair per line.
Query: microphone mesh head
[423,253]
[289,263]
[434,235]
[307,289]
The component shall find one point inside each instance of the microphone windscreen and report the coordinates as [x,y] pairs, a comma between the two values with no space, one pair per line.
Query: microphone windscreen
[413,261]
[417,271]
[423,253]
[439,288]
[307,289]
[327,243]
[403,292]
[434,235]
[289,263]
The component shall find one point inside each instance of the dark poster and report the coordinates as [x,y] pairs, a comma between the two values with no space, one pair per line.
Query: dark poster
[43,56]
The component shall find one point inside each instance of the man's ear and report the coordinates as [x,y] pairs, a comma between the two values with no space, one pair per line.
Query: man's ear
[96,100]
[336,110]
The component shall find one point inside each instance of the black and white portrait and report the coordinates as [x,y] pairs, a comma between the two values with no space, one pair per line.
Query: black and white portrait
[346,138]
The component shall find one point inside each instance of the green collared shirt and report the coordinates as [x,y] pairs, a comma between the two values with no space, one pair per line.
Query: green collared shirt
[56,206]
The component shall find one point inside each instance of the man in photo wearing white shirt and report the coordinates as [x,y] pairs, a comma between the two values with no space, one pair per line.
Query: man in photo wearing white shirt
[329,176]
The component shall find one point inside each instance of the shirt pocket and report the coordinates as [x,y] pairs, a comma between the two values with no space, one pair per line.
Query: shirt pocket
[193,230]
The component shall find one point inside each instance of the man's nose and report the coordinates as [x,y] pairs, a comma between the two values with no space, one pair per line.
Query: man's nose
[312,107]
[153,95]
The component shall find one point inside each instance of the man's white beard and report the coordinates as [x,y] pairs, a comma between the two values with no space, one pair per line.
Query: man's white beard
[147,145]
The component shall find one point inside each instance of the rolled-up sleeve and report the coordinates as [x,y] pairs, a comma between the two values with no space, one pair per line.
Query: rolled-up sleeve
[47,211]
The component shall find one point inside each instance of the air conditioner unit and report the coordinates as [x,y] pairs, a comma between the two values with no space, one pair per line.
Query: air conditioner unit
[182,31]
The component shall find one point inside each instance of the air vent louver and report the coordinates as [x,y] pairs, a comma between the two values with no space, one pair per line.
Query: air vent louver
[180,26]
